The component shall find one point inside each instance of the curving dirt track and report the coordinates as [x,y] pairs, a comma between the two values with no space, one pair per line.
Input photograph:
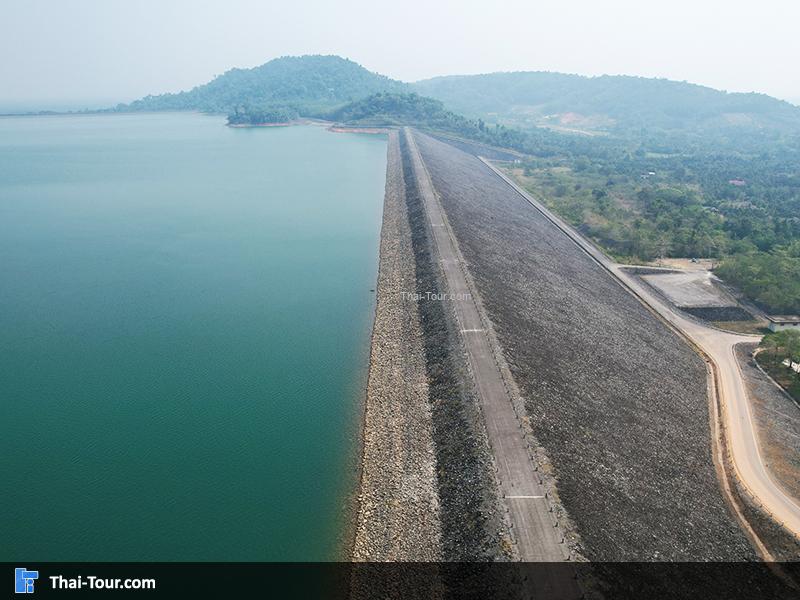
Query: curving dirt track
[719,347]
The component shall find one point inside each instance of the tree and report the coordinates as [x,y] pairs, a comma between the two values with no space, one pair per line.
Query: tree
[781,346]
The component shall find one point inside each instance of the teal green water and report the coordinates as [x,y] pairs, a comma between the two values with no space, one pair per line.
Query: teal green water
[185,313]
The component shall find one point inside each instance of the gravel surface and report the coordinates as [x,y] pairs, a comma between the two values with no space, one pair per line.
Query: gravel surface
[477,148]
[691,289]
[473,526]
[427,486]
[617,401]
[398,516]
[719,314]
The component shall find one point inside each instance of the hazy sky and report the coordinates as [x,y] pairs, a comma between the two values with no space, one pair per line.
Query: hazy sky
[105,51]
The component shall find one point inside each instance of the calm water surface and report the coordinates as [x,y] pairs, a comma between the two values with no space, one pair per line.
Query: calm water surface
[184,326]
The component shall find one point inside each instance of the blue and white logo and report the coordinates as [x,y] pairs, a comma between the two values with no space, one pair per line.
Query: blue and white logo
[23,580]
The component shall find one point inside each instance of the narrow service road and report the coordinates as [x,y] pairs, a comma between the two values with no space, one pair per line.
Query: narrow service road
[718,346]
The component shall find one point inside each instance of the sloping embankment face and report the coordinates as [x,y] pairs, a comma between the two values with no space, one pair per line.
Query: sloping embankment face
[427,489]
[617,401]
[473,525]
[398,516]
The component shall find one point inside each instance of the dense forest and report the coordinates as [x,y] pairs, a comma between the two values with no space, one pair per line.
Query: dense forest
[428,113]
[646,167]
[311,84]
[397,109]
[611,103]
[639,204]
[650,214]
[315,84]
[772,278]
[247,115]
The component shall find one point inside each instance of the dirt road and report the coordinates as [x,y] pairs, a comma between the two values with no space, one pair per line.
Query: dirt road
[718,346]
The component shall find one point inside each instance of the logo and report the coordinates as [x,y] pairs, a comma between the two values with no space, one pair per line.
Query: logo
[23,580]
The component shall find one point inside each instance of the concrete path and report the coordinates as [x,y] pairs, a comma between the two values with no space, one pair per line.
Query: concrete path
[537,536]
[718,346]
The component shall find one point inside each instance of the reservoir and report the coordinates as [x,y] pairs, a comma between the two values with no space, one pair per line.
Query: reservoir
[185,312]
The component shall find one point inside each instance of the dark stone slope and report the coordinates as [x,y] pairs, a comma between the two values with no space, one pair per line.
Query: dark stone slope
[617,401]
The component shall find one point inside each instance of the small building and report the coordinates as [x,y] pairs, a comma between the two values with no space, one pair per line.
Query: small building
[783,322]
[791,365]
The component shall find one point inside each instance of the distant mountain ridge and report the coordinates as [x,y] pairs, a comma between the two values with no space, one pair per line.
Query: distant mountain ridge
[315,85]
[605,102]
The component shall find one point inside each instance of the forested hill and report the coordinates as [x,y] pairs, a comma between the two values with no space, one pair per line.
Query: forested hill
[313,85]
[395,109]
[310,83]
[427,113]
[611,103]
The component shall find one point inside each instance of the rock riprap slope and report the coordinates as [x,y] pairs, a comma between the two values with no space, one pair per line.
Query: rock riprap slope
[398,515]
[617,401]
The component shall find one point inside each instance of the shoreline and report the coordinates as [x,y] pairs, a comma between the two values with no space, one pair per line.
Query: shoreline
[330,126]
[397,504]
[250,125]
[367,130]
[426,490]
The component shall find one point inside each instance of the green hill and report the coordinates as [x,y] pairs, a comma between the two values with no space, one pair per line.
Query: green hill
[313,85]
[310,84]
[430,114]
[394,109]
[607,103]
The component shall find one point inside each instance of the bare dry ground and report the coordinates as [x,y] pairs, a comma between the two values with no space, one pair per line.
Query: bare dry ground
[617,401]
[685,264]
[690,288]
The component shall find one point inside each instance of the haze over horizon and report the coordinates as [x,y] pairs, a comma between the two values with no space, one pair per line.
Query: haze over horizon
[100,52]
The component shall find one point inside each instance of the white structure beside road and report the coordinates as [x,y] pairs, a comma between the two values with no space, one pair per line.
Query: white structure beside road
[782,323]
